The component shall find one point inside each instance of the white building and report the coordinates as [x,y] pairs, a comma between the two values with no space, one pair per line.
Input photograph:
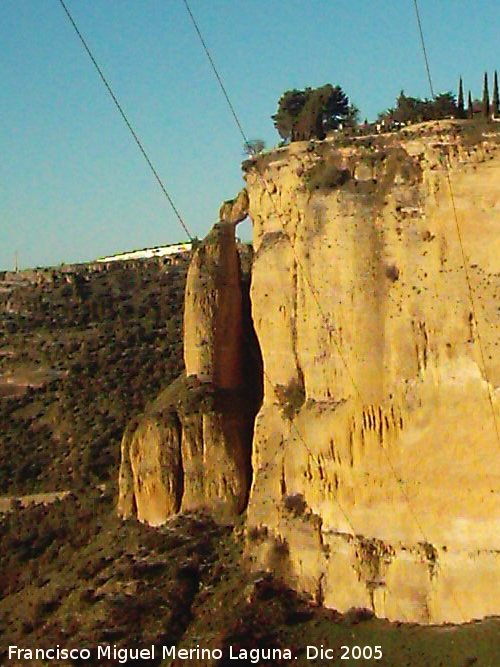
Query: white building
[148,253]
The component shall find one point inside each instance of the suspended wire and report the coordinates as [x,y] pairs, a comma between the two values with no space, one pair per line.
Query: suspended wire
[473,308]
[316,298]
[462,252]
[217,75]
[242,132]
[464,261]
[422,41]
[126,120]
[240,128]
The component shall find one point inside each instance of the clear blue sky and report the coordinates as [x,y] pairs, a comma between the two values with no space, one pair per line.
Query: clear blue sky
[73,185]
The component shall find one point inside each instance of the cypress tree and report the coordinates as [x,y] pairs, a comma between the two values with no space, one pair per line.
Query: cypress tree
[495,102]
[486,97]
[470,108]
[460,103]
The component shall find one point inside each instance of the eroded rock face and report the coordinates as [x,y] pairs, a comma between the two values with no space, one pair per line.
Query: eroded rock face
[375,469]
[191,449]
[213,313]
[375,458]
[235,210]
[216,455]
[151,475]
[156,467]
[126,500]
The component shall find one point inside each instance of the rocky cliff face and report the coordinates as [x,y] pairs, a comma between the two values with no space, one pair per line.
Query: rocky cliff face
[376,467]
[213,311]
[191,448]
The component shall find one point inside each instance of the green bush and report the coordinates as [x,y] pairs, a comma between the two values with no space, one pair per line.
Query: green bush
[326,176]
[291,397]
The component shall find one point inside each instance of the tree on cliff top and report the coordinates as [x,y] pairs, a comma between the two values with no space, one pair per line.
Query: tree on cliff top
[486,97]
[495,101]
[461,103]
[310,113]
[443,105]
[416,110]
[290,106]
[470,107]
[253,147]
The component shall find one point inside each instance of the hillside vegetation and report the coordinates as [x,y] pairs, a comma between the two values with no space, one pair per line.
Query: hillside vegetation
[96,349]
[72,574]
[95,346]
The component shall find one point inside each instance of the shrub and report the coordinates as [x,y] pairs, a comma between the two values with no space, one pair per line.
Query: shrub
[291,397]
[295,504]
[326,176]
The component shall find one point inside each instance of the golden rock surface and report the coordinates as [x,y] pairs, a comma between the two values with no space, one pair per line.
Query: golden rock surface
[235,210]
[213,311]
[383,490]
[191,449]
[375,460]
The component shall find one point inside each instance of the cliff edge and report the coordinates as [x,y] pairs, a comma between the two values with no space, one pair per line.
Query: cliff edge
[376,453]
[370,469]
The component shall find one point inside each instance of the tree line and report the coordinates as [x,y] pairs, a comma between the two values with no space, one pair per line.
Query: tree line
[444,105]
[311,113]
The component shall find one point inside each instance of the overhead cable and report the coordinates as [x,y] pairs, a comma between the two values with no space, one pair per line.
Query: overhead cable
[125,118]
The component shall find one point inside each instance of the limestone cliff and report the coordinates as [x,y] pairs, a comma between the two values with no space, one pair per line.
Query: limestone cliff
[374,478]
[191,448]
[376,461]
[213,313]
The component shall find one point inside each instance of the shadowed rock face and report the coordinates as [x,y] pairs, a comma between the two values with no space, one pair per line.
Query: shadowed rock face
[213,312]
[375,467]
[385,491]
[191,450]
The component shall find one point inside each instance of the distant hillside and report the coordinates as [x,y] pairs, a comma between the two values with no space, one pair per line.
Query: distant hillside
[82,349]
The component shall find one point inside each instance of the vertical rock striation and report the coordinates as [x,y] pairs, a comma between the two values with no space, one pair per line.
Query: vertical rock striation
[213,314]
[371,473]
[191,449]
[375,457]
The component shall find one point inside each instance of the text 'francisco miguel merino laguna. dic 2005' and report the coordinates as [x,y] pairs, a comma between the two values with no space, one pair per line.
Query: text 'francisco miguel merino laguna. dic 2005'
[124,655]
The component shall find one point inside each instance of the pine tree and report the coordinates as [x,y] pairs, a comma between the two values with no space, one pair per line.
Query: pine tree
[486,97]
[495,102]
[470,108]
[460,103]
[308,114]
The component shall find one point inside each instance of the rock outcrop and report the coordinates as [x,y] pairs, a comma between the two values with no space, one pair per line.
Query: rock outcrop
[235,210]
[191,449]
[213,311]
[376,467]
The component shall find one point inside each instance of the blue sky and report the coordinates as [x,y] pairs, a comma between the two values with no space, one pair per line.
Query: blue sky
[73,185]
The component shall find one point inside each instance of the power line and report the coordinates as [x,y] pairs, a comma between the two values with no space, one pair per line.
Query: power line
[219,79]
[422,41]
[242,132]
[473,307]
[126,120]
[315,296]
[138,142]
[462,250]
[464,261]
